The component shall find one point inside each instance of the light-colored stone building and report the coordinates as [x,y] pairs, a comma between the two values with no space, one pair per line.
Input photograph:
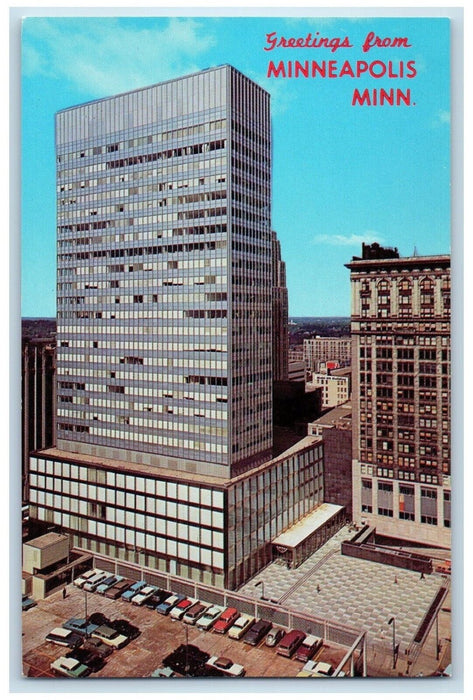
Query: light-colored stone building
[400,327]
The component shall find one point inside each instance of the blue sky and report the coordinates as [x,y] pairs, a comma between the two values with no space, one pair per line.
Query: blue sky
[342,174]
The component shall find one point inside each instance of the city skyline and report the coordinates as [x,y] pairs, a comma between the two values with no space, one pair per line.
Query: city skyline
[325,201]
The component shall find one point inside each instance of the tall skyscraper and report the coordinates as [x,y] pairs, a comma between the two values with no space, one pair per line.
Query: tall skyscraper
[164,264]
[400,328]
[164,329]
[280,314]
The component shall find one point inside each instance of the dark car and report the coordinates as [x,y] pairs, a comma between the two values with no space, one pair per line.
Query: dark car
[153,601]
[118,588]
[290,643]
[309,646]
[89,657]
[188,660]
[192,615]
[80,625]
[168,603]
[126,628]
[98,618]
[98,647]
[157,598]
[64,637]
[257,632]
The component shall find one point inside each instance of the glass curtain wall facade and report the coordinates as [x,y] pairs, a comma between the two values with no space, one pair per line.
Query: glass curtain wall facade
[164,335]
[211,530]
[280,314]
[164,275]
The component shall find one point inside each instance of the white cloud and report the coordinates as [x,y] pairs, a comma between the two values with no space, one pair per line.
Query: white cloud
[103,55]
[351,240]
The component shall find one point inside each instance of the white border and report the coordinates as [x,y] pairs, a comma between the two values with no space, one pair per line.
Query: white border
[11,364]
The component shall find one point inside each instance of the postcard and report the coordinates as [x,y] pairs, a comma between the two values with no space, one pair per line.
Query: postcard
[236,348]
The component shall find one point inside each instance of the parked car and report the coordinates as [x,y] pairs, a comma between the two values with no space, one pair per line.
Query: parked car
[256,633]
[97,646]
[157,598]
[80,625]
[133,590]
[110,581]
[168,604]
[109,635]
[308,648]
[153,601]
[69,667]
[187,660]
[290,642]
[142,596]
[210,616]
[226,620]
[64,637]
[118,588]
[274,636]
[126,628]
[98,618]
[90,658]
[194,612]
[322,669]
[27,603]
[179,610]
[226,666]
[91,584]
[241,626]
[318,669]
[80,580]
[163,672]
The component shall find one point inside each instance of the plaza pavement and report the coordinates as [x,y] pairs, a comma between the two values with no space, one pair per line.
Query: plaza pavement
[361,594]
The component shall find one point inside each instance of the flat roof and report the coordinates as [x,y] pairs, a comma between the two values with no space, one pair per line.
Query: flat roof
[130,467]
[164,472]
[412,263]
[46,540]
[309,524]
[338,413]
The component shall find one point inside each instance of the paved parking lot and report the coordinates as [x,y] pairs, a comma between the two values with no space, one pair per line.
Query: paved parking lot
[159,637]
[360,594]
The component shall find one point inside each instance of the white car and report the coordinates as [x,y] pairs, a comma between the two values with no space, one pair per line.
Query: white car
[64,637]
[80,580]
[209,617]
[323,669]
[317,669]
[69,667]
[92,583]
[145,593]
[239,628]
[110,636]
[226,666]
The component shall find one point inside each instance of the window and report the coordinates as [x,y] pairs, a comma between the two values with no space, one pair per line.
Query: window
[366,496]
[428,506]
[385,499]
[406,502]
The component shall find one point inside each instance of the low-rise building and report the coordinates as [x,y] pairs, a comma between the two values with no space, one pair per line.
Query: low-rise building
[335,386]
